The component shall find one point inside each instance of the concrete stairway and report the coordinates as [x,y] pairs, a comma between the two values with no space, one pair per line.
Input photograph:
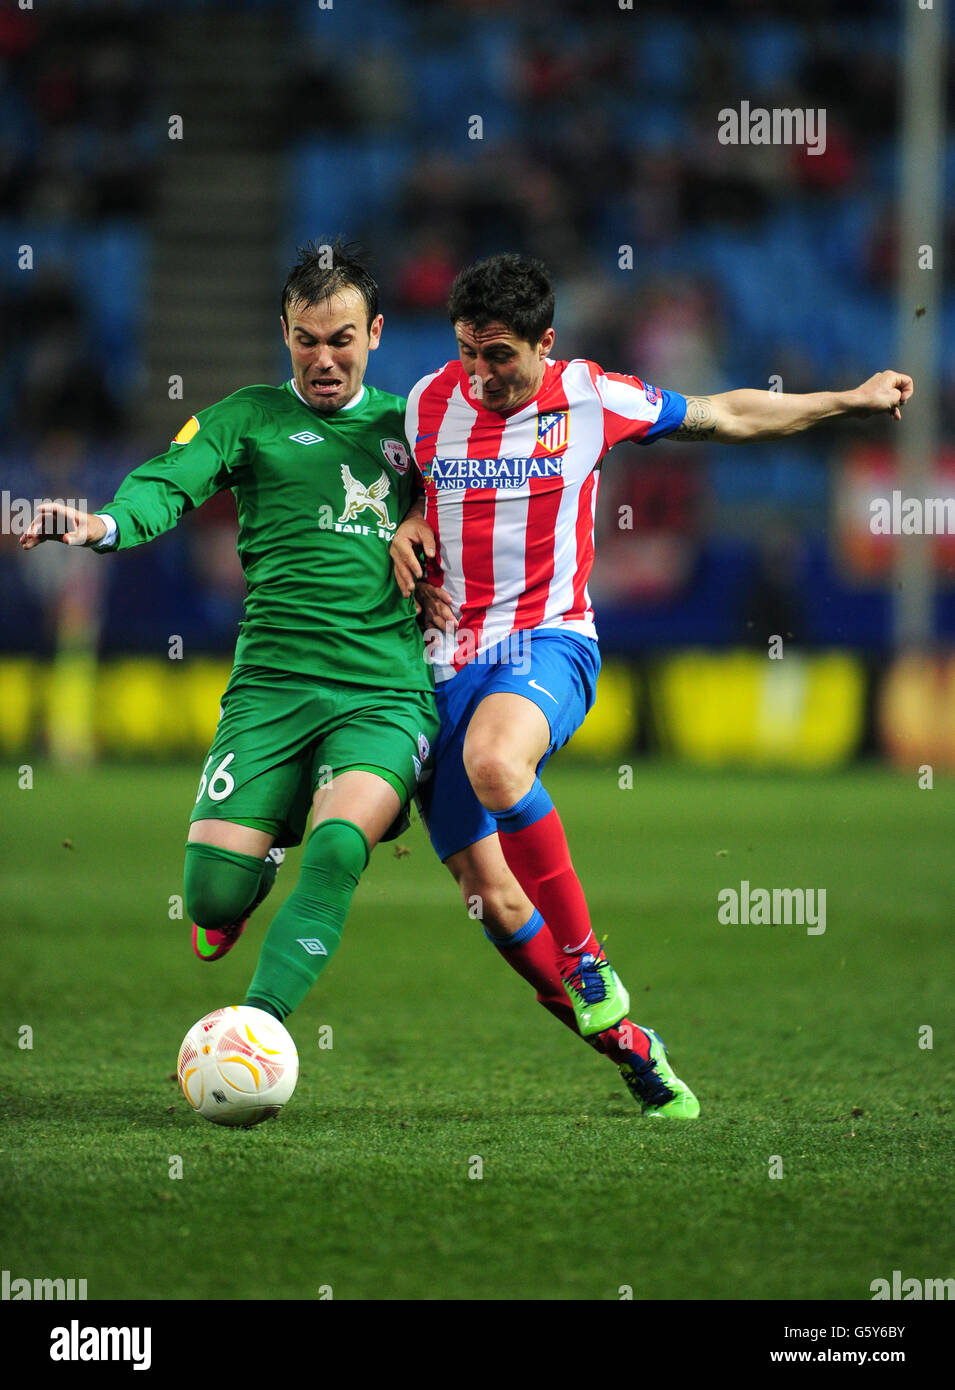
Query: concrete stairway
[212,314]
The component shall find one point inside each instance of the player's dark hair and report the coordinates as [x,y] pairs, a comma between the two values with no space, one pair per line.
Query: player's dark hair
[325,269]
[509,289]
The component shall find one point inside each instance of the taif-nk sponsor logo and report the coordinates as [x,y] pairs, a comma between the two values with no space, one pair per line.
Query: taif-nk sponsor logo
[359,498]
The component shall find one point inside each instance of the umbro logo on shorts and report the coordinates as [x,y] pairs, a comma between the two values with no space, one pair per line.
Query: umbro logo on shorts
[306,437]
[312,945]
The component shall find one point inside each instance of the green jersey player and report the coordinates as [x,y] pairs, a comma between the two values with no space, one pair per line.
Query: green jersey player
[323,716]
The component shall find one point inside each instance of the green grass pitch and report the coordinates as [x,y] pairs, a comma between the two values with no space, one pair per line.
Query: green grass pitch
[802,1048]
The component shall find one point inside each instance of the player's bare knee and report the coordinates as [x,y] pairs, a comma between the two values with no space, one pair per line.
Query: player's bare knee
[498,777]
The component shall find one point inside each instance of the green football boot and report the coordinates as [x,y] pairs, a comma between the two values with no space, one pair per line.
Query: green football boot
[654,1084]
[600,1001]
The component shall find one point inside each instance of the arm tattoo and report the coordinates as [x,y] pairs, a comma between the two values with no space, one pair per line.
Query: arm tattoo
[698,422]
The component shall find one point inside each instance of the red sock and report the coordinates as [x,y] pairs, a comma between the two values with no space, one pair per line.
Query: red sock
[535,958]
[625,1037]
[539,858]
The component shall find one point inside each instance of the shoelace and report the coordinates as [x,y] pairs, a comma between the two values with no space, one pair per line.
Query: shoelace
[642,1077]
[588,981]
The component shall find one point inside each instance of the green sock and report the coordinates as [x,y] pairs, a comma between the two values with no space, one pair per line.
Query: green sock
[307,928]
[266,884]
[223,886]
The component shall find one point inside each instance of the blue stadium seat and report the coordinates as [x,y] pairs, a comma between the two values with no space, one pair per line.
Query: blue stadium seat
[768,52]
[663,52]
[106,268]
[336,186]
[410,349]
[345,24]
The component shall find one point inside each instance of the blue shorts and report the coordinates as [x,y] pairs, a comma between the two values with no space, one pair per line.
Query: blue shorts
[555,670]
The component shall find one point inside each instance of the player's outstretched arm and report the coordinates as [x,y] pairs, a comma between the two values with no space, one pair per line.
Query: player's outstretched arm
[741,417]
[56,522]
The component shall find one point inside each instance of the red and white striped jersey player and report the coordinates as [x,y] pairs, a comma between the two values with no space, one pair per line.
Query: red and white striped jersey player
[508,443]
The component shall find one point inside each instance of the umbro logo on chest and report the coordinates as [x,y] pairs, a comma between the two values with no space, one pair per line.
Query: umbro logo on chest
[306,437]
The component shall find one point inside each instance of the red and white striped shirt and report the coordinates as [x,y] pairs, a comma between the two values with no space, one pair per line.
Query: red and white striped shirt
[511,498]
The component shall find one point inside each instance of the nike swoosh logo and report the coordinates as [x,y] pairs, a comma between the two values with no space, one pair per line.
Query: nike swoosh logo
[430,435]
[544,692]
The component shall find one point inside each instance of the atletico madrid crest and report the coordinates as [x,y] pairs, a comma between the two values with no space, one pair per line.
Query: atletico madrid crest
[552,430]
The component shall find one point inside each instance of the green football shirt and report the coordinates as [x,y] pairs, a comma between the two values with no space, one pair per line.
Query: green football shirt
[319,498]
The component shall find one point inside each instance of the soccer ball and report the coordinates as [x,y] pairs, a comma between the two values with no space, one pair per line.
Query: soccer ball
[237,1066]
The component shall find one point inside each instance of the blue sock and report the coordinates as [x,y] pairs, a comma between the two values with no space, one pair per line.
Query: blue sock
[532,807]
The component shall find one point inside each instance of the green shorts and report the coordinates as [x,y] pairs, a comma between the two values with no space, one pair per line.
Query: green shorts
[282,735]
